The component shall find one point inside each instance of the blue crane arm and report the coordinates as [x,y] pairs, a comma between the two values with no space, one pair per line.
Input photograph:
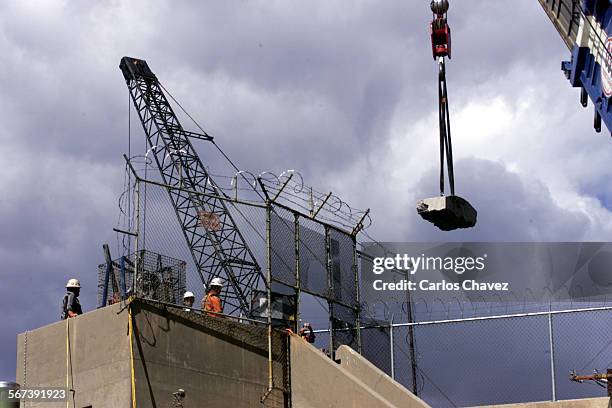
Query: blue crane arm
[584,26]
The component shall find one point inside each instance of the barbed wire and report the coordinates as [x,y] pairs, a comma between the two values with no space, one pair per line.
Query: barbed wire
[289,188]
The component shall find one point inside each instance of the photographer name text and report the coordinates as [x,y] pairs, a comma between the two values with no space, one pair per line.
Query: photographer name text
[425,285]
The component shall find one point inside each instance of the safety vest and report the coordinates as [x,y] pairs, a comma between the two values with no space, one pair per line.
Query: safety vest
[212,303]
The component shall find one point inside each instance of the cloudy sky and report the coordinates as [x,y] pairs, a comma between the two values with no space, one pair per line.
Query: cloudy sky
[343,91]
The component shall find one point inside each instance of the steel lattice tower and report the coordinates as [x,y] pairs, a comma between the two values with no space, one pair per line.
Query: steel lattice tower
[219,251]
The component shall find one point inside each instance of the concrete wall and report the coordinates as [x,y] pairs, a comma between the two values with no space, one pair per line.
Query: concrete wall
[219,363]
[578,403]
[376,379]
[98,359]
[216,361]
[317,381]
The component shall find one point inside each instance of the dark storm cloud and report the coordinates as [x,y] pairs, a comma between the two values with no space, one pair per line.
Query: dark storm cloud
[510,208]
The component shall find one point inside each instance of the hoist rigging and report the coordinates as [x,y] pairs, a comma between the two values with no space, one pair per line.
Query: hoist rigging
[441,48]
[445,212]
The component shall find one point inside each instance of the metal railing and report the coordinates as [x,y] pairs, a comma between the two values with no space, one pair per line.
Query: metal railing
[501,359]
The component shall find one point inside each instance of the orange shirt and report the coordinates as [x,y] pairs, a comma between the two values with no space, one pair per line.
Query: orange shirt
[212,303]
[307,334]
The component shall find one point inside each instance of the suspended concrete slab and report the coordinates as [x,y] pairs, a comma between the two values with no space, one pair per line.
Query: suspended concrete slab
[447,212]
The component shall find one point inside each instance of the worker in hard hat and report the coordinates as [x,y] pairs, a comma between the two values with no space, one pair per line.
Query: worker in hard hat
[115,299]
[212,300]
[70,305]
[188,300]
[307,333]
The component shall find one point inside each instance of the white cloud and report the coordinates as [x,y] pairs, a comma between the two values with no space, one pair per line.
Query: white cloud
[540,157]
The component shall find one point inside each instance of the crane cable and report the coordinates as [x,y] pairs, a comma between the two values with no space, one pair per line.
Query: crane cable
[441,48]
[446,146]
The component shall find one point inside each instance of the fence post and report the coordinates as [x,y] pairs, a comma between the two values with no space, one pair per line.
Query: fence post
[411,342]
[123,284]
[392,348]
[552,353]
[136,241]
[330,285]
[269,292]
[357,295]
[298,285]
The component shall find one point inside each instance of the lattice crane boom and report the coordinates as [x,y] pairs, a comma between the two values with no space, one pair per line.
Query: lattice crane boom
[218,250]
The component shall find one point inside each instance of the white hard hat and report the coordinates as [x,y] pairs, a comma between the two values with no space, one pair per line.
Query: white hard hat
[73,283]
[188,295]
[216,282]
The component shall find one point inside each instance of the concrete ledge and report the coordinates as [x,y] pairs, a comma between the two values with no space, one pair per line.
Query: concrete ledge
[376,379]
[577,403]
[96,363]
[216,361]
[317,381]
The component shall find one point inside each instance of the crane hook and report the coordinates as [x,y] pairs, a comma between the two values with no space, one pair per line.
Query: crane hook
[439,7]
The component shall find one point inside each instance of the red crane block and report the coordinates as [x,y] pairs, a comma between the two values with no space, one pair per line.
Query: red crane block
[440,38]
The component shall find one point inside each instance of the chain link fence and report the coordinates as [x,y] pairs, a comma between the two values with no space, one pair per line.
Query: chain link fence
[306,254]
[159,230]
[302,253]
[159,277]
[494,359]
[310,256]
[480,358]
